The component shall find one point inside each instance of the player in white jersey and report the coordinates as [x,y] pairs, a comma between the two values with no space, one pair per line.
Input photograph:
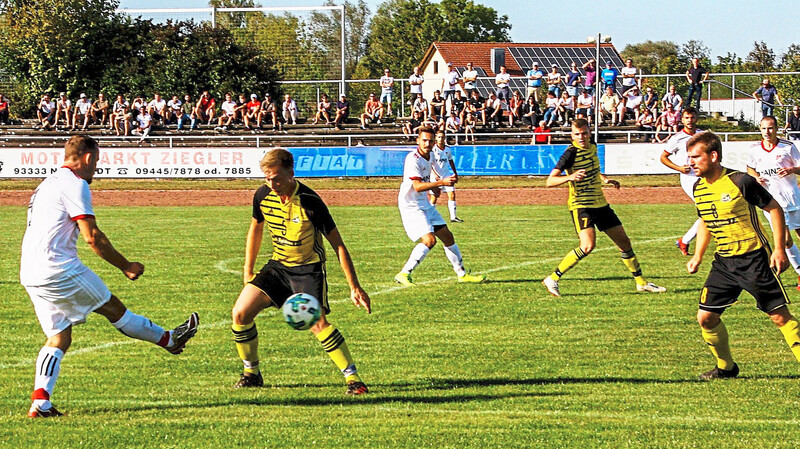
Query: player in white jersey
[443,166]
[676,149]
[63,290]
[420,218]
[774,163]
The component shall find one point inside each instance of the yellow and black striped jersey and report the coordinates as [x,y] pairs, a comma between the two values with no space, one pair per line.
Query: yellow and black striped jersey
[728,208]
[588,192]
[296,227]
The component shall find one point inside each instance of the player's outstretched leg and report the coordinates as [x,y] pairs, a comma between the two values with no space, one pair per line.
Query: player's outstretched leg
[568,262]
[48,367]
[715,335]
[789,327]
[250,302]
[683,242]
[333,343]
[453,254]
[620,238]
[418,254]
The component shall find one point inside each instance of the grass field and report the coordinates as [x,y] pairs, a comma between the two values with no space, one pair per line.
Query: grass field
[501,364]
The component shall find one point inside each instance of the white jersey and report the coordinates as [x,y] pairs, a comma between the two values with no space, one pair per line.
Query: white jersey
[676,146]
[767,163]
[157,105]
[49,251]
[228,107]
[83,106]
[440,161]
[417,168]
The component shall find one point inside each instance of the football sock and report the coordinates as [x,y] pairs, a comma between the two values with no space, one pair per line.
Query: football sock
[791,332]
[570,260]
[333,343]
[48,365]
[717,340]
[246,338]
[691,233]
[630,261]
[454,256]
[139,327]
[451,206]
[417,255]
[793,254]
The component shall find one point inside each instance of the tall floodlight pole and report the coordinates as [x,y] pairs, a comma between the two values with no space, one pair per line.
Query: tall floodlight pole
[342,87]
[597,113]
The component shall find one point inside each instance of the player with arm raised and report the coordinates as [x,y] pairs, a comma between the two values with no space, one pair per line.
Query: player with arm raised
[297,219]
[63,290]
[589,209]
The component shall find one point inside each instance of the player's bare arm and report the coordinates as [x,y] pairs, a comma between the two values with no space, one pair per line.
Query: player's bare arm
[703,239]
[253,244]
[359,297]
[752,172]
[678,168]
[420,186]
[778,260]
[102,246]
[610,181]
[556,179]
[785,171]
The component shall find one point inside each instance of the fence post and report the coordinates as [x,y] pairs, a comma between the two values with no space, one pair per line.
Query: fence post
[402,98]
[733,94]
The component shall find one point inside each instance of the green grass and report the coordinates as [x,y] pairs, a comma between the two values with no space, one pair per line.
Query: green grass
[501,364]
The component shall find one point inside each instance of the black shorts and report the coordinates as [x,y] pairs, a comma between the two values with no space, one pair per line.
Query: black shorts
[750,272]
[279,282]
[603,218]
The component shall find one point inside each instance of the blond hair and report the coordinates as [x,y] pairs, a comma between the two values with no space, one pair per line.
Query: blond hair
[277,157]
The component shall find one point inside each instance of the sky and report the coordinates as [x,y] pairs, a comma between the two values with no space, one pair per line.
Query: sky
[723,26]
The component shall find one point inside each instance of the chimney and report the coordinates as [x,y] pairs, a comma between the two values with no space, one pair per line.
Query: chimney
[498,58]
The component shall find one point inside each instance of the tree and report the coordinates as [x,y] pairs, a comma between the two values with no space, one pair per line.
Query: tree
[694,49]
[319,32]
[729,63]
[653,57]
[761,58]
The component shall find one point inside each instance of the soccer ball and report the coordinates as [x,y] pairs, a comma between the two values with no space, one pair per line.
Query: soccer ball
[301,311]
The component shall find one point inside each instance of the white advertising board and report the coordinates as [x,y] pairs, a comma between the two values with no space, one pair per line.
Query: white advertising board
[645,158]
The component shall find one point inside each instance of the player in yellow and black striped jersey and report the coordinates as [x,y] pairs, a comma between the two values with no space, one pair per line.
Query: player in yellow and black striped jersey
[726,201]
[297,219]
[589,208]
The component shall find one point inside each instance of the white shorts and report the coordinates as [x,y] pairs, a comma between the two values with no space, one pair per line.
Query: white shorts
[687,182]
[792,218]
[418,222]
[65,303]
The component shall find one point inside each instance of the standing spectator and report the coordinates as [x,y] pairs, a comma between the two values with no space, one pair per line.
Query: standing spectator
[609,76]
[584,105]
[269,108]
[289,109]
[535,76]
[342,112]
[101,111]
[793,124]
[696,75]
[531,112]
[631,100]
[173,110]
[412,125]
[651,100]
[551,109]
[515,109]
[554,81]
[415,81]
[573,80]
[542,134]
[119,115]
[438,109]
[421,105]
[4,111]
[501,82]
[373,110]
[323,110]
[477,106]
[673,99]
[205,107]
[470,78]
[63,107]
[227,114]
[83,110]
[628,75]
[449,84]
[252,111]
[767,94]
[46,112]
[453,124]
[387,87]
[157,108]
[590,69]
[187,113]
[609,105]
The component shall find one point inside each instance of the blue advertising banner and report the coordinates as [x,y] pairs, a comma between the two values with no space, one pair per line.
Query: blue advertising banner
[476,160]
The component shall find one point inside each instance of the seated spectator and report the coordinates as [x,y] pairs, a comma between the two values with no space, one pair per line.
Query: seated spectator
[157,108]
[187,113]
[541,135]
[205,108]
[323,110]
[137,105]
[566,108]
[458,104]
[668,122]
[373,110]
[551,109]
[421,105]
[83,112]
[4,120]
[63,107]
[469,125]
[793,124]
[477,106]
[173,111]
[437,106]
[646,123]
[651,100]
[609,105]
[412,126]
[46,112]
[241,108]
[101,111]
[144,124]
[673,99]
[631,100]
[269,109]
[515,109]
[289,110]
[342,112]
[584,105]
[119,114]
[252,111]
[493,110]
[228,112]
[453,124]
[531,112]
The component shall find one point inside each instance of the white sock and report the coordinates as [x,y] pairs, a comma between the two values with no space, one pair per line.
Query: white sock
[451,205]
[691,233]
[454,256]
[793,253]
[139,327]
[48,365]
[417,255]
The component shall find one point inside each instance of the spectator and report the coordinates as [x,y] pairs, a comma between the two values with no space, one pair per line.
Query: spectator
[252,111]
[477,106]
[668,121]
[459,104]
[323,110]
[767,94]
[453,124]
[415,81]
[551,109]
[493,110]
[584,105]
[412,125]
[535,76]
[515,109]
[342,112]
[4,120]
[646,123]
[470,78]
[651,100]
[531,112]
[119,116]
[173,110]
[83,110]
[566,108]
[227,113]
[241,109]
[373,110]
[269,109]
[631,100]
[144,124]
[573,80]
[501,83]
[289,109]
[46,112]
[628,75]
[542,133]
[437,107]
[449,83]
[673,99]
[793,124]
[421,105]
[590,69]
[387,86]
[609,105]
[554,81]
[696,75]
[157,108]
[63,107]
[469,124]
[101,111]
[187,113]
[609,76]
[205,107]
[137,104]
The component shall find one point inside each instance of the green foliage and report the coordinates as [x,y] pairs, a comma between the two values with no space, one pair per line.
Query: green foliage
[323,30]
[659,57]
[761,58]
